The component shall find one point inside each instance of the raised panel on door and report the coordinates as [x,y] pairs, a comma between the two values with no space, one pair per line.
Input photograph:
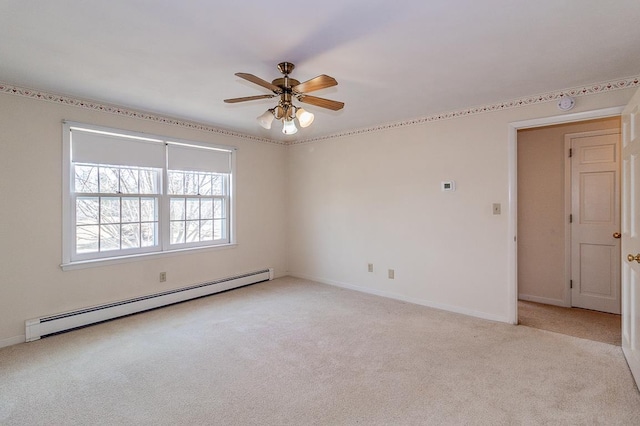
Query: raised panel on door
[597,198]
[627,278]
[634,324]
[597,271]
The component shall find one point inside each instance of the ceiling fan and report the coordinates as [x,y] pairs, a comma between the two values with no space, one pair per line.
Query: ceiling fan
[287,89]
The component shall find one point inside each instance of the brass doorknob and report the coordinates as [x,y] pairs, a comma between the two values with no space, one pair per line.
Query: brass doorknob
[631,258]
[617,235]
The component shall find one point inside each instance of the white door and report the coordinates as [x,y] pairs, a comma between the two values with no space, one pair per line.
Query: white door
[595,223]
[631,235]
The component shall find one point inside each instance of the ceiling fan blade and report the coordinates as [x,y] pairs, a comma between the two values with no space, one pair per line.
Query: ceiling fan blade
[321,102]
[316,83]
[247,98]
[260,82]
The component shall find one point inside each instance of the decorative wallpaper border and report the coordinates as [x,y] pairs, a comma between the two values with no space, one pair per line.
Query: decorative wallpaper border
[623,83]
[126,112]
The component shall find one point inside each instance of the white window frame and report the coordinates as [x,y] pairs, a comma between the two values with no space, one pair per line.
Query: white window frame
[71,260]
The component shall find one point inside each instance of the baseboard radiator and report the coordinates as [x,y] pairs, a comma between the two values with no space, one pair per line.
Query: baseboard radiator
[41,327]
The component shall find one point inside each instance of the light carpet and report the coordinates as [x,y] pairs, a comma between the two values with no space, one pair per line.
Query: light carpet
[294,352]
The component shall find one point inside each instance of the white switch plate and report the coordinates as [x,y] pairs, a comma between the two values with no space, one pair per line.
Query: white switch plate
[392,274]
[497,208]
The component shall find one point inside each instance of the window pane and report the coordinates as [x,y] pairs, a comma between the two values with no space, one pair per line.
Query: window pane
[206,230]
[177,232]
[109,237]
[193,231]
[205,184]
[109,210]
[218,208]
[108,180]
[193,209]
[87,239]
[130,210]
[176,183]
[86,179]
[206,209]
[149,181]
[87,209]
[217,230]
[176,210]
[130,235]
[190,183]
[129,181]
[148,232]
[148,212]
[217,184]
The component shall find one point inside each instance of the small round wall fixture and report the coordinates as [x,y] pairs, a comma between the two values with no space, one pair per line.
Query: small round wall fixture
[566,103]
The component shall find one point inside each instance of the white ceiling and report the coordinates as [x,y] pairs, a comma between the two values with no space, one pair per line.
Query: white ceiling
[394,60]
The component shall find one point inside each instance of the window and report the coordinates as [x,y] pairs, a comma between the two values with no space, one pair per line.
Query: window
[132,194]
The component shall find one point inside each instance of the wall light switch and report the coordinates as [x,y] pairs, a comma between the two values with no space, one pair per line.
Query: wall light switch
[392,274]
[497,208]
[370,267]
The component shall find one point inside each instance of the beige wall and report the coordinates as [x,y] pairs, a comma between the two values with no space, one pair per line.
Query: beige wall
[375,198]
[541,205]
[31,281]
[321,210]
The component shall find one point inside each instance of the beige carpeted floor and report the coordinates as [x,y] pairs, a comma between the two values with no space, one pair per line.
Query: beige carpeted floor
[293,352]
[592,325]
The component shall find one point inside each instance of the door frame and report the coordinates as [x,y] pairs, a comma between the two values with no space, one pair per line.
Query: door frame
[512,150]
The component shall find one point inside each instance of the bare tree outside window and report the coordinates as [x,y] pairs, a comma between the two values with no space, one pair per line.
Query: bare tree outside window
[112,211]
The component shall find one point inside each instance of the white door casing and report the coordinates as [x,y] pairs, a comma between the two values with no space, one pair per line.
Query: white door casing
[631,235]
[595,220]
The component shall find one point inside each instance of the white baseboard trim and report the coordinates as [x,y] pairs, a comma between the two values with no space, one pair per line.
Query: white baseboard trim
[10,341]
[544,300]
[414,300]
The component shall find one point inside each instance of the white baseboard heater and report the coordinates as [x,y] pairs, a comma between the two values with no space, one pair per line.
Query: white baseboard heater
[44,326]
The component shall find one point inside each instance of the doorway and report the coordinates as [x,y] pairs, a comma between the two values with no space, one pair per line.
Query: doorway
[544,264]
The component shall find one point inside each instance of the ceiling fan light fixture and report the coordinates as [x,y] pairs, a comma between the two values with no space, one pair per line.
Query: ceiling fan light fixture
[304,117]
[289,89]
[266,119]
[289,127]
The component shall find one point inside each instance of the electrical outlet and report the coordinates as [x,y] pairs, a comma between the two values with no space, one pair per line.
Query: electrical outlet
[163,277]
[392,274]
[370,267]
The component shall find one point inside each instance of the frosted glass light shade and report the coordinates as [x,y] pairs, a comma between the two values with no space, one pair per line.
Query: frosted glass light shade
[289,127]
[304,117]
[266,119]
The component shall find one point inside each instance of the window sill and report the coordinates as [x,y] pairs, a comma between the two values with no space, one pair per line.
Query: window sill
[83,264]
